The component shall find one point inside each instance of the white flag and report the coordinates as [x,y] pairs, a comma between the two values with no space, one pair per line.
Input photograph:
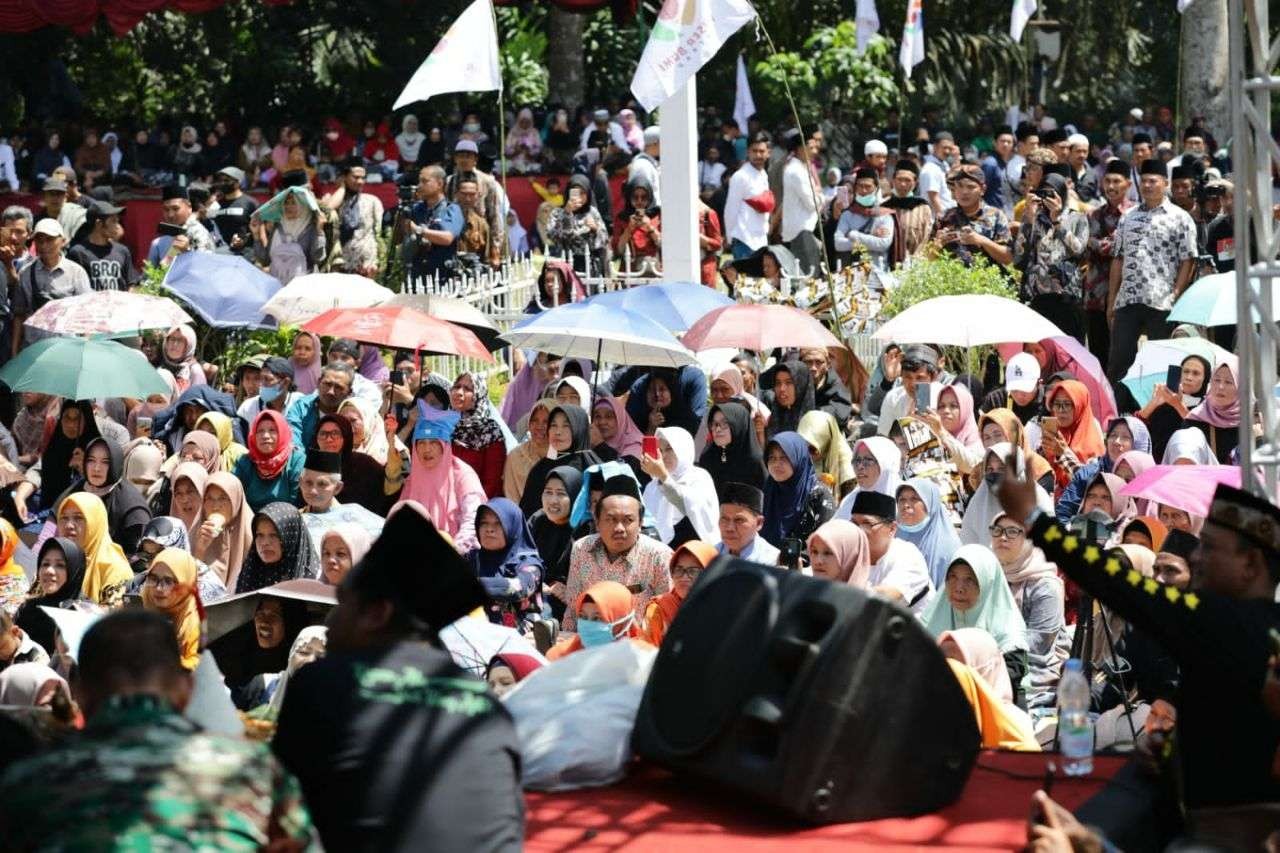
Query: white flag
[1183,4]
[685,36]
[1022,12]
[911,53]
[464,60]
[744,106]
[868,20]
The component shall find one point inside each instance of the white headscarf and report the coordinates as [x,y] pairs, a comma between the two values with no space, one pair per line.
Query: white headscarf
[695,487]
[1188,443]
[889,458]
[407,142]
[984,508]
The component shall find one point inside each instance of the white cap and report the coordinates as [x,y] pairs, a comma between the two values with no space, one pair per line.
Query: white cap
[1136,112]
[1022,373]
[874,146]
[652,135]
[50,228]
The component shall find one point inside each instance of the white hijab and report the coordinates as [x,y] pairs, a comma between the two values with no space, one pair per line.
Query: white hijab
[1188,443]
[889,458]
[695,487]
[985,507]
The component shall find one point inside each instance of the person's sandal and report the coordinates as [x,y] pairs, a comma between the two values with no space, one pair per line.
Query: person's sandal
[545,632]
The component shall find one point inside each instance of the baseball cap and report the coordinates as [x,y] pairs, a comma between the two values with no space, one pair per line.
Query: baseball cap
[1022,373]
[55,185]
[464,146]
[49,227]
[232,172]
[99,209]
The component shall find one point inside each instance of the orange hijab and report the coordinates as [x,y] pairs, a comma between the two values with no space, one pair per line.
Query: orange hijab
[8,546]
[1083,436]
[662,610]
[185,609]
[1001,725]
[614,602]
[1155,529]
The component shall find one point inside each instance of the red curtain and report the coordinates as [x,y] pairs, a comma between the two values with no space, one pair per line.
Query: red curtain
[21,16]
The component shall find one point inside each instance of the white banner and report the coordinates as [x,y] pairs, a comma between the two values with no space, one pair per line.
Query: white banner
[685,36]
[464,60]
[868,22]
[744,106]
[1022,12]
[911,53]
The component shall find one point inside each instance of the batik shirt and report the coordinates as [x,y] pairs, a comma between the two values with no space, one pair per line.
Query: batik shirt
[142,777]
[1097,277]
[1153,243]
[645,570]
[1050,257]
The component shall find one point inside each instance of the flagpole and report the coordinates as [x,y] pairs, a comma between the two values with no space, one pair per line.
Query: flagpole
[502,117]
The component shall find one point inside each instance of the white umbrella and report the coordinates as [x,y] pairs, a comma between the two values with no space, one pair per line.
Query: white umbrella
[309,296]
[968,320]
[107,313]
[601,333]
[472,641]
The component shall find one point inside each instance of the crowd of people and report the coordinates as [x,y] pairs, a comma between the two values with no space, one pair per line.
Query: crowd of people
[577,506]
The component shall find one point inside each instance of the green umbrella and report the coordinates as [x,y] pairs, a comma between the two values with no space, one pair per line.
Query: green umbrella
[79,369]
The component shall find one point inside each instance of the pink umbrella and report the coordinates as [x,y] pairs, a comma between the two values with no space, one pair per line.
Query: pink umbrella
[759,328]
[1189,488]
[1066,353]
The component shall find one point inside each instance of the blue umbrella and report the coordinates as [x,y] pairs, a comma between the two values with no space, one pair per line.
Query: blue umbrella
[226,291]
[676,305]
[600,332]
[1211,301]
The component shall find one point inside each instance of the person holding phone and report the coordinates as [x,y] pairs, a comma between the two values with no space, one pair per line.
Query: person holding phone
[680,496]
[1049,249]
[1171,401]
[639,227]
[917,365]
[177,215]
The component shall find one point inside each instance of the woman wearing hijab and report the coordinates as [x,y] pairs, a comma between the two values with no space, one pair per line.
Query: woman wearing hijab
[831,453]
[877,466]
[1188,446]
[839,551]
[1074,430]
[368,429]
[923,521]
[577,230]
[144,466]
[569,436]
[619,435]
[60,570]
[528,387]
[222,428]
[665,397]
[726,385]
[795,502]
[1218,417]
[1145,530]
[259,649]
[35,685]
[152,406]
[1040,597]
[979,667]
[789,398]
[282,549]
[170,589]
[985,506]
[638,229]
[1125,433]
[13,580]
[288,235]
[552,531]
[689,560]
[82,518]
[681,497]
[341,548]
[733,453]
[447,488]
[186,495]
[202,448]
[1103,494]
[1004,425]
[558,284]
[515,471]
[524,144]
[1168,408]
[508,564]
[169,532]
[977,596]
[409,141]
[127,509]
[53,473]
[478,439]
[307,359]
[606,614]
[179,354]
[952,420]
[508,669]
[372,366]
[273,467]
[363,479]
[224,535]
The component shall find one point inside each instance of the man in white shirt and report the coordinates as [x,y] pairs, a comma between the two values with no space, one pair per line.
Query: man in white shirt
[919,364]
[645,164]
[741,517]
[933,174]
[1028,140]
[898,569]
[617,138]
[800,199]
[8,167]
[748,203]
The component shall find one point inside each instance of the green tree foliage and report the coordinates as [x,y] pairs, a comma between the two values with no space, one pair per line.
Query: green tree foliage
[828,74]
[945,275]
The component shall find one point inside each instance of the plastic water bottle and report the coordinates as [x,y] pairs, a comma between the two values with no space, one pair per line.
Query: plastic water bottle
[1075,726]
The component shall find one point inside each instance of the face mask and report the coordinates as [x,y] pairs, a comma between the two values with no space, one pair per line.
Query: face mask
[992,478]
[900,194]
[269,393]
[595,633]
[867,200]
[913,528]
[471,127]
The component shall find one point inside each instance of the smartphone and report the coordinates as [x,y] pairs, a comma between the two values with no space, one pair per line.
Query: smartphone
[144,425]
[1049,424]
[789,556]
[922,396]
[649,446]
[1173,381]
[165,229]
[397,377]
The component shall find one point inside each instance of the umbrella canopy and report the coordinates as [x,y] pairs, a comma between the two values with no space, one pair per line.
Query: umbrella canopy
[1083,365]
[968,320]
[1189,488]
[473,641]
[760,328]
[1151,366]
[225,291]
[1211,301]
[80,369]
[453,310]
[309,296]
[753,265]
[107,313]
[401,328]
[601,333]
[675,305]
[226,614]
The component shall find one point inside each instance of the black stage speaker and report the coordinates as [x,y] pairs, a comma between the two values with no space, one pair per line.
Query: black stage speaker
[809,696]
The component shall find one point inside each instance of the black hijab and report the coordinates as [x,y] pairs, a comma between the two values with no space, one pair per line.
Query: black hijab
[787,418]
[362,476]
[55,465]
[583,183]
[642,183]
[127,509]
[579,456]
[555,541]
[1165,419]
[298,560]
[30,618]
[241,658]
[743,460]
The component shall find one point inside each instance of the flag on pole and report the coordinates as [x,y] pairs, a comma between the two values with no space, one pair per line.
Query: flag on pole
[744,106]
[868,21]
[911,53]
[685,36]
[464,60]
[1183,4]
[1022,12]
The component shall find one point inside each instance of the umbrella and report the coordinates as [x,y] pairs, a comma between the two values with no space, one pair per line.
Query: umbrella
[752,266]
[1211,301]
[401,328]
[1189,488]
[968,320]
[453,310]
[1154,359]
[107,313]
[226,291]
[602,333]
[759,328]
[1084,366]
[83,369]
[472,641]
[308,296]
[226,614]
[675,305]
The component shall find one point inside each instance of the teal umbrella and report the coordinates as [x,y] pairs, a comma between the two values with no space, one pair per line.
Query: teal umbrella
[79,369]
[1211,301]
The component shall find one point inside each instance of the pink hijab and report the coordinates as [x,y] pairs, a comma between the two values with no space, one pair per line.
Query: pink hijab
[1228,418]
[847,541]
[628,440]
[967,434]
[440,490]
[978,649]
[1138,462]
[732,376]
[307,376]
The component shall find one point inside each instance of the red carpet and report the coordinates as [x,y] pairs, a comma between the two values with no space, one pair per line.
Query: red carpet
[652,810]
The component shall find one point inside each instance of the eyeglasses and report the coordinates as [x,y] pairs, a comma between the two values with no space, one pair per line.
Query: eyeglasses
[685,572]
[998,532]
[159,582]
[723,426]
[864,461]
[1062,406]
[868,526]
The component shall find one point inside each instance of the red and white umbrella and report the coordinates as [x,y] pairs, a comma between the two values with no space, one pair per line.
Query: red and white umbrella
[759,328]
[108,314]
[400,328]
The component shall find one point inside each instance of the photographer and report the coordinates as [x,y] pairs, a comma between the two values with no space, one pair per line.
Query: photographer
[359,217]
[1049,247]
[432,229]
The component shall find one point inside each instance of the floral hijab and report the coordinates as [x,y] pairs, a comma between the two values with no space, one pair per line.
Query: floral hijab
[477,428]
[298,558]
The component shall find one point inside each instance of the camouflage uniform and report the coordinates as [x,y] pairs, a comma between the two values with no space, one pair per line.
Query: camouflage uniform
[142,777]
